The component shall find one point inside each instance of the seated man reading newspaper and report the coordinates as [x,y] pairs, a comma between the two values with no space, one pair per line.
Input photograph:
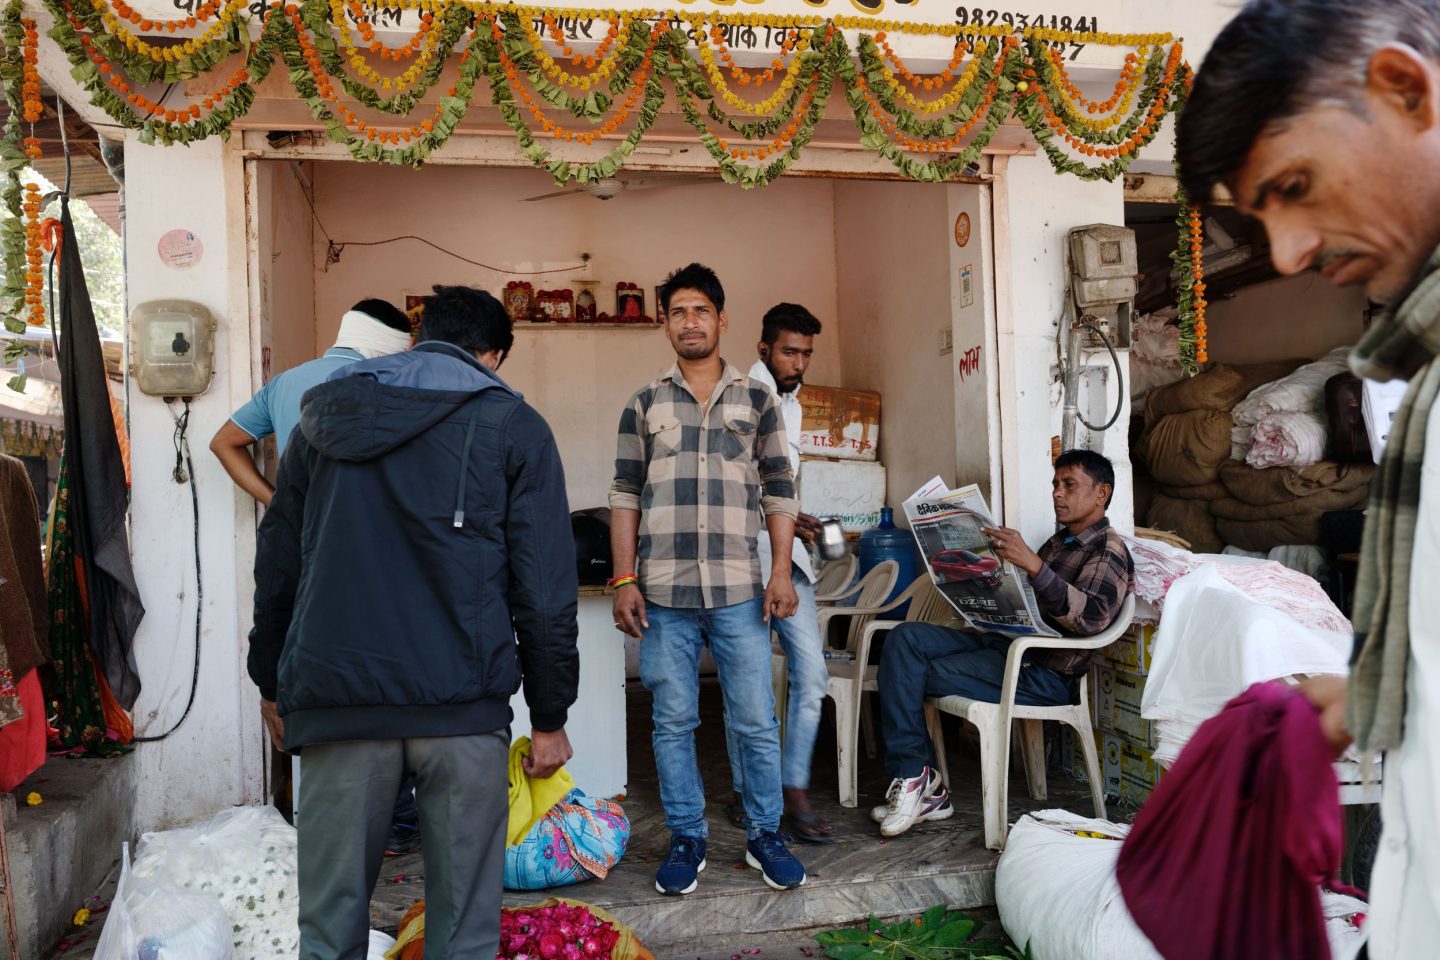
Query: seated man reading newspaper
[1078,581]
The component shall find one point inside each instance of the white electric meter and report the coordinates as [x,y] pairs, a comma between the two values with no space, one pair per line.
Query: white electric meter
[1104,278]
[172,348]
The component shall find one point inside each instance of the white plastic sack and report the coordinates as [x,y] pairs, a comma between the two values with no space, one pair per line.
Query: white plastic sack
[1057,893]
[154,919]
[1214,641]
[1301,392]
[380,944]
[245,858]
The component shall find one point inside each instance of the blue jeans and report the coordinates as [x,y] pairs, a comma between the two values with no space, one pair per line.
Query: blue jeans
[922,660]
[670,669]
[805,664]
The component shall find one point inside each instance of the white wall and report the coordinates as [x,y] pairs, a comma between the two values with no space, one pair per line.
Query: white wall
[766,246]
[893,262]
[215,758]
[1300,316]
[1034,210]
[286,240]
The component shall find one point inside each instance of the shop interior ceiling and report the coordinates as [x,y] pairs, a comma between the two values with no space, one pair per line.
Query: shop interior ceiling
[1237,253]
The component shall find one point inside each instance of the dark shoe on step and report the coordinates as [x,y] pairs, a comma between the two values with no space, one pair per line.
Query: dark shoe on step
[680,873]
[768,854]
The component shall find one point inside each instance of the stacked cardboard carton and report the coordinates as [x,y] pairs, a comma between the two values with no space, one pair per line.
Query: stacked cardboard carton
[840,443]
[1125,740]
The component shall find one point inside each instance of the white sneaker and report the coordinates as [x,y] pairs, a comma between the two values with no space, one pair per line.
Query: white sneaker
[905,801]
[936,807]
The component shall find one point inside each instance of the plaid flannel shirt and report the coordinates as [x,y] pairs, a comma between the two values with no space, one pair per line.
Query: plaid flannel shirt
[700,476]
[1081,588]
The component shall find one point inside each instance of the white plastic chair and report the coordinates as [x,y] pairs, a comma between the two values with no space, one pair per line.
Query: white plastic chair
[834,581]
[870,592]
[852,678]
[993,722]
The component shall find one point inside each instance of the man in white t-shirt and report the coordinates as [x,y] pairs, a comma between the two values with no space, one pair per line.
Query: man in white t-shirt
[787,344]
[1322,119]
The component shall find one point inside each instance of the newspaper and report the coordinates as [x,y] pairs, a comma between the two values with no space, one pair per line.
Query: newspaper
[988,593]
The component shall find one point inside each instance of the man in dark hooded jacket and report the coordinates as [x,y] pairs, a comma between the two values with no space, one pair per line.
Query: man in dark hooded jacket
[419,529]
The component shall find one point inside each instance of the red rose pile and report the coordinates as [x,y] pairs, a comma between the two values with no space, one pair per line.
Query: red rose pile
[559,932]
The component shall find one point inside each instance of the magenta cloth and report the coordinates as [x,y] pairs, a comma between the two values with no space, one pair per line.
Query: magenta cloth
[1226,859]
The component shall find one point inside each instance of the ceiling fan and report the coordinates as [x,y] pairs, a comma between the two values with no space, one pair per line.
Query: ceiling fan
[611,187]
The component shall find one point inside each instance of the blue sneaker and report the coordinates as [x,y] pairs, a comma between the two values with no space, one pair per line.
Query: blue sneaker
[768,854]
[680,873]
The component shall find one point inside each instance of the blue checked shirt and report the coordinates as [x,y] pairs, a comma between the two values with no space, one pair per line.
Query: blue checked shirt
[701,475]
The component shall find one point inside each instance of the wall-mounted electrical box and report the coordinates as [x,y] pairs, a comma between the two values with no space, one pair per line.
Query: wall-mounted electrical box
[172,348]
[1104,278]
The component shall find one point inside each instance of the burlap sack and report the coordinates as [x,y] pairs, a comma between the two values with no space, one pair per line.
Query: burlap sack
[1189,519]
[1187,449]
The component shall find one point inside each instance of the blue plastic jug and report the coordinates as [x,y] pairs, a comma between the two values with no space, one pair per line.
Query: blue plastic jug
[889,542]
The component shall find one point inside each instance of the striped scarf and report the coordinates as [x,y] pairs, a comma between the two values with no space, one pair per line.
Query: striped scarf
[1401,347]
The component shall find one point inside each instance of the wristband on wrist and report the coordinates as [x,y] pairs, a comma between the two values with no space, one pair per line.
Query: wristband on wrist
[615,583]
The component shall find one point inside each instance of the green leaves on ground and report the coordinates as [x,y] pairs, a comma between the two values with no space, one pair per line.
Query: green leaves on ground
[939,934]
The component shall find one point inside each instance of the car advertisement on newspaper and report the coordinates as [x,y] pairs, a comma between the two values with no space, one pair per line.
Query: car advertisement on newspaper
[989,593]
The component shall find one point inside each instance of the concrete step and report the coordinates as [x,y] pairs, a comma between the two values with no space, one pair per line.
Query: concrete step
[61,851]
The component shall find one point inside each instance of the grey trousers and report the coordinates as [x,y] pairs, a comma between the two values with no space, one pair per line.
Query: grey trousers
[347,797]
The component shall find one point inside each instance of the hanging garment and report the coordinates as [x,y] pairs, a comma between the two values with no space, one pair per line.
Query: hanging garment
[72,681]
[23,621]
[96,471]
[1226,859]
[22,743]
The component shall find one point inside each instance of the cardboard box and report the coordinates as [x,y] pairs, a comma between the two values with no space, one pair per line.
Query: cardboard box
[1117,707]
[844,424]
[1134,651]
[1072,761]
[1130,772]
[849,490]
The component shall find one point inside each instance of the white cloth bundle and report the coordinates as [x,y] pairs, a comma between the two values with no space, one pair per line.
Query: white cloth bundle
[1301,392]
[1288,440]
[369,337]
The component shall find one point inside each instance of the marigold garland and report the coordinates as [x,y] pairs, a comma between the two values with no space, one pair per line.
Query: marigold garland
[34,258]
[982,82]
[30,88]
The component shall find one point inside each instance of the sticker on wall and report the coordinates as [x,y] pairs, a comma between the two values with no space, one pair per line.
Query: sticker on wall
[180,249]
[967,285]
[962,229]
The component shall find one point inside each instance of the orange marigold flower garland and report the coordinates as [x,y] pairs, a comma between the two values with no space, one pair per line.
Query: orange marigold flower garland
[1196,221]
[353,123]
[30,87]
[1143,132]
[610,126]
[34,257]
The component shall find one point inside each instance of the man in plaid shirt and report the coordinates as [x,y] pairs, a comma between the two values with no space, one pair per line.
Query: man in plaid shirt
[1081,577]
[702,453]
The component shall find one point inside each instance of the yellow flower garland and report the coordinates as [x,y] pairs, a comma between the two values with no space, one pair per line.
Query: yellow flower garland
[594,78]
[940,104]
[702,27]
[168,54]
[362,66]
[1079,106]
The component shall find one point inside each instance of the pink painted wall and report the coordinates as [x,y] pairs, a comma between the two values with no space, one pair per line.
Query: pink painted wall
[766,245]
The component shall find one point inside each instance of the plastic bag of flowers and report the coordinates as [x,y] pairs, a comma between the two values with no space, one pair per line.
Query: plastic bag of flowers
[553,929]
[153,919]
[245,857]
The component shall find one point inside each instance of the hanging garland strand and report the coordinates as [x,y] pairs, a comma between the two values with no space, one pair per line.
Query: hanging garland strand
[1190,300]
[119,56]
[12,161]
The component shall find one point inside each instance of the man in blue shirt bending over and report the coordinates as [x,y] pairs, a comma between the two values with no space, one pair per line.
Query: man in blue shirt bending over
[370,329]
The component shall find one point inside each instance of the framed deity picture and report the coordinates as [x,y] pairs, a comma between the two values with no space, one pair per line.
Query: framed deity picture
[629,303]
[519,301]
[659,313]
[557,306]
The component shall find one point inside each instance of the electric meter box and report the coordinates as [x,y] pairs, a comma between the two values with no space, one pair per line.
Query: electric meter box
[172,348]
[1105,278]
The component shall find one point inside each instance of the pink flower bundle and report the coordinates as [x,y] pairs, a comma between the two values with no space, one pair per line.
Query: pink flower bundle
[555,932]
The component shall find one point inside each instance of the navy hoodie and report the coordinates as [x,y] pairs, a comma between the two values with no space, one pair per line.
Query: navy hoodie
[417,559]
